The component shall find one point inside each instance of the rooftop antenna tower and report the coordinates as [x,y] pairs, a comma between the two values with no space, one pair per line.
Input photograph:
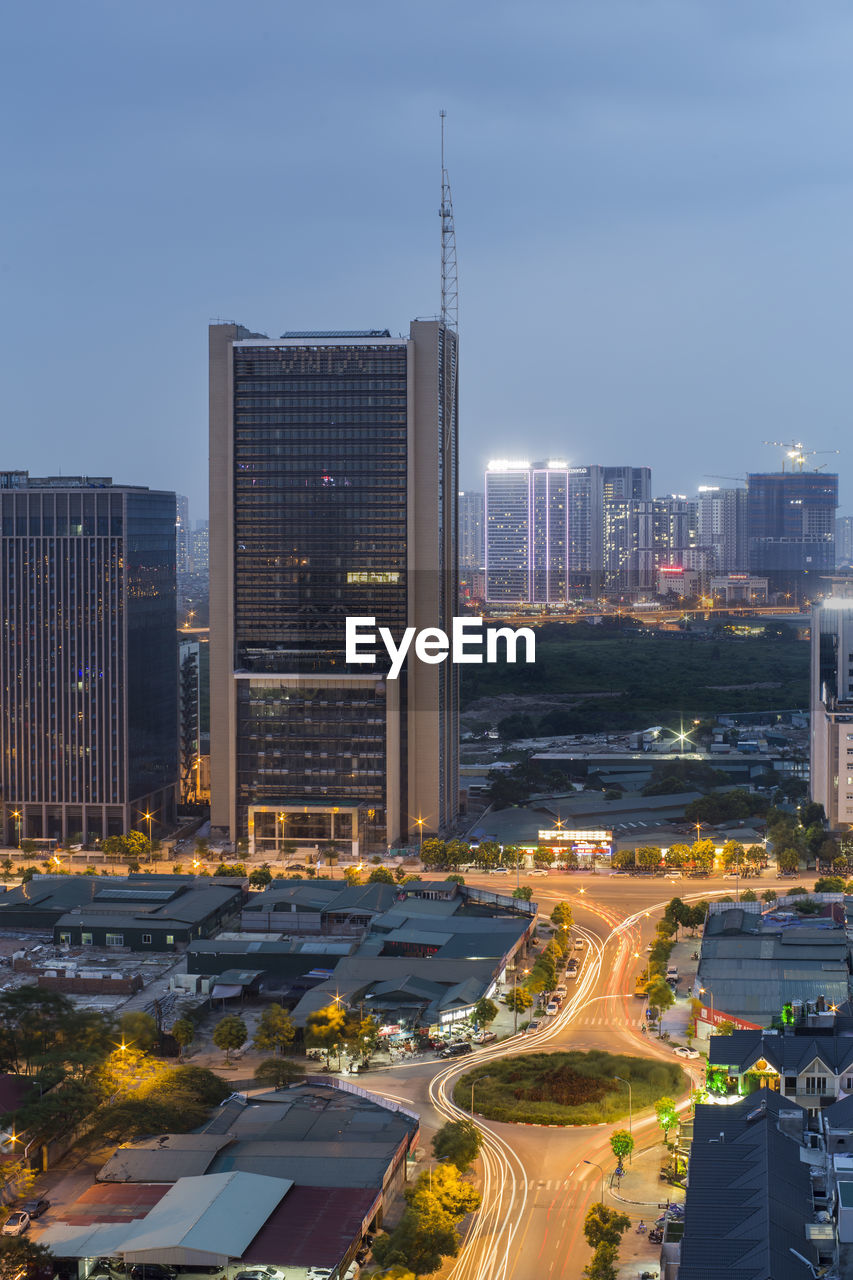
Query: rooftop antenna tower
[449,278]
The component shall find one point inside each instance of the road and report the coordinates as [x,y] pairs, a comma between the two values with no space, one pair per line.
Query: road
[536,1187]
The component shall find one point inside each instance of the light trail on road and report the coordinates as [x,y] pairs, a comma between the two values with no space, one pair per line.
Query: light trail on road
[494,1246]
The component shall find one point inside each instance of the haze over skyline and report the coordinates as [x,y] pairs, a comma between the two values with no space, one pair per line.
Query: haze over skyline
[652,207]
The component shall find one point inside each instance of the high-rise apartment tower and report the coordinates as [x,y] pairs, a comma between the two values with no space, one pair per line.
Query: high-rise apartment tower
[527,532]
[89,661]
[333,494]
[831,764]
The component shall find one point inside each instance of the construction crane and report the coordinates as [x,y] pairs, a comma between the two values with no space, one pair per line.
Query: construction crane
[797,453]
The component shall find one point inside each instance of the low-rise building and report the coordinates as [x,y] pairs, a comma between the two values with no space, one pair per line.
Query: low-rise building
[814,1067]
[758,1198]
[753,964]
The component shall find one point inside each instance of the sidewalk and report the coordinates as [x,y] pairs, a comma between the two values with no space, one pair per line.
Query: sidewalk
[640,1196]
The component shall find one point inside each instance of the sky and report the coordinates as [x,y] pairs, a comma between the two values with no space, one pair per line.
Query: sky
[653,206]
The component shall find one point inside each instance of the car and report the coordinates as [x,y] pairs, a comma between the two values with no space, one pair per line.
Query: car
[538,871]
[533,1026]
[580,944]
[250,1273]
[456,1050]
[552,1008]
[500,871]
[483,1037]
[16,1224]
[683,1052]
[35,1207]
[562,990]
[152,1271]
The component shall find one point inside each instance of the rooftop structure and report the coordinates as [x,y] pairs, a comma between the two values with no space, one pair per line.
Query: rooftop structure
[750,1203]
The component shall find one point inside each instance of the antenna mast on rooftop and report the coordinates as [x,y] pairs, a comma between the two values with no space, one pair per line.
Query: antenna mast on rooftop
[449,278]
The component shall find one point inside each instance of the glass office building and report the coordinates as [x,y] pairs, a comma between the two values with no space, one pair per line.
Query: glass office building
[527,532]
[89,660]
[333,495]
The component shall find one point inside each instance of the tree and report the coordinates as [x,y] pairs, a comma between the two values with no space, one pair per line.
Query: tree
[602,1265]
[621,1144]
[562,915]
[660,995]
[519,999]
[733,856]
[183,1032]
[623,859]
[277,1073]
[524,892]
[230,1033]
[260,877]
[434,854]
[20,1256]
[325,1028]
[459,1142]
[331,852]
[487,854]
[678,855]
[420,1241]
[725,1029]
[603,1225]
[353,876]
[702,854]
[139,1029]
[275,1030]
[648,857]
[485,1011]
[457,854]
[362,1036]
[788,860]
[667,1115]
[380,875]
[445,1185]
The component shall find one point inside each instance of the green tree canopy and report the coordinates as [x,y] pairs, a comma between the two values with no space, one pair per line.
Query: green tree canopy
[20,1256]
[275,1030]
[621,1144]
[277,1073]
[457,1141]
[485,1011]
[604,1226]
[183,1032]
[229,1034]
[325,1028]
[667,1114]
[380,875]
[139,1029]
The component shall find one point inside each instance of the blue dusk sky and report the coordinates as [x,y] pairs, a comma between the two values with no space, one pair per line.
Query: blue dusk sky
[654,203]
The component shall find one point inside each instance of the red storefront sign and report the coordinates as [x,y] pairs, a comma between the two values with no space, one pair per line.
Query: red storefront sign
[715,1016]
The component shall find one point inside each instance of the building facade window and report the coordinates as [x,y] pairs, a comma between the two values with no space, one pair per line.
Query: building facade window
[170,939]
[86,939]
[115,940]
[146,937]
[815,1084]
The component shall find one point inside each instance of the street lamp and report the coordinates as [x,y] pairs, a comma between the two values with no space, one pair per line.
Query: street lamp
[420,825]
[601,1171]
[16,814]
[627,1083]
[148,816]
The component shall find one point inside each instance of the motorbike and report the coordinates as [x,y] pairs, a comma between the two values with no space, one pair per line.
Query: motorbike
[641,1228]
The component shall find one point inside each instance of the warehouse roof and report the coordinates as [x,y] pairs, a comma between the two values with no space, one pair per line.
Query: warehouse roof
[218,1214]
[164,1159]
[314,1226]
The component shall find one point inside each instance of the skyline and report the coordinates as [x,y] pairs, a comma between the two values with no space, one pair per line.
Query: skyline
[651,212]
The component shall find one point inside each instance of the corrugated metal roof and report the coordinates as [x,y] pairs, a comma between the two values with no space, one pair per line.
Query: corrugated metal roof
[218,1214]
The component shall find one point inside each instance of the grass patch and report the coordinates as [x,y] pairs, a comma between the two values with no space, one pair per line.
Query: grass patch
[570,1088]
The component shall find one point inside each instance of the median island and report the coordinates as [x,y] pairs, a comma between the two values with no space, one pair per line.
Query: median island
[571,1088]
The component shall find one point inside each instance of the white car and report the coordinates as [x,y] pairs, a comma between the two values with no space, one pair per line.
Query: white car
[683,1052]
[562,990]
[16,1224]
[537,871]
[483,1037]
[552,1007]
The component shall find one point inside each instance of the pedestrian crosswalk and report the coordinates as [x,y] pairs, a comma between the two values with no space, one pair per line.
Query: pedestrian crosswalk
[553,1184]
[601,1020]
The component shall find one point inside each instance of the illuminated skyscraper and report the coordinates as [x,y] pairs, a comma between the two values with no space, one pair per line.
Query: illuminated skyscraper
[527,532]
[89,661]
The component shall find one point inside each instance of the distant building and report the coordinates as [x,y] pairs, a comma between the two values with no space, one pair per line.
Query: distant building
[472,533]
[738,588]
[831,763]
[675,580]
[642,535]
[722,528]
[201,547]
[89,662]
[183,535]
[843,541]
[527,532]
[634,483]
[791,530]
[586,530]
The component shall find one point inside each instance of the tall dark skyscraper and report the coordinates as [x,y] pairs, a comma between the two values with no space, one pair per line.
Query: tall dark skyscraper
[791,529]
[333,494]
[472,541]
[89,659]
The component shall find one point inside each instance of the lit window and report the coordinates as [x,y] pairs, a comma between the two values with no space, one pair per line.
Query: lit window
[115,940]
